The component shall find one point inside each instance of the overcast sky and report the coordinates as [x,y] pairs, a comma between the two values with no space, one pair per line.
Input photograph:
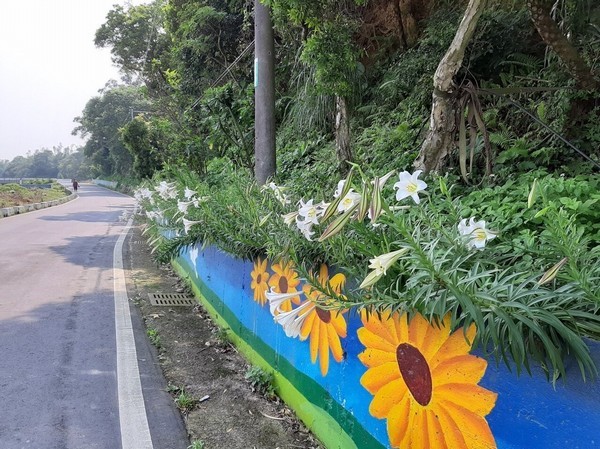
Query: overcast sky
[49,69]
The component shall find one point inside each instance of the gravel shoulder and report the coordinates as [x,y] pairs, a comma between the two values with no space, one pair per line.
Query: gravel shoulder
[226,410]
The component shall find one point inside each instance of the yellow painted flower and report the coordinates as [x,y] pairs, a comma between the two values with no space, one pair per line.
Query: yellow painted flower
[324,327]
[424,382]
[285,280]
[260,277]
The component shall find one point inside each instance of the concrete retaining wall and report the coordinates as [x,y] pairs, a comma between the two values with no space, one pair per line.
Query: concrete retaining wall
[373,382]
[8,211]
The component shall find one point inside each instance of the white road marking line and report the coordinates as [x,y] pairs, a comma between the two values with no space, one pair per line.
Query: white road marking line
[135,432]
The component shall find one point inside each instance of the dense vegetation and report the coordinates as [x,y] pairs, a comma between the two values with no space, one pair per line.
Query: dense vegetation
[18,195]
[60,162]
[516,143]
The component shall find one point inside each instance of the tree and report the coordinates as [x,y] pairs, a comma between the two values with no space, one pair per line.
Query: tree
[100,122]
[442,123]
[142,141]
[137,41]
[555,39]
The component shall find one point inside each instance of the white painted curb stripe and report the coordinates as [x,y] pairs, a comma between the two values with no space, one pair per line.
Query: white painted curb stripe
[135,432]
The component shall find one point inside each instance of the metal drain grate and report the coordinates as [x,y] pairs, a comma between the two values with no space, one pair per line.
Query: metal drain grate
[170,299]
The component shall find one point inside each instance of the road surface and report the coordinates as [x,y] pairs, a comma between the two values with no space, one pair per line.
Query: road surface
[71,376]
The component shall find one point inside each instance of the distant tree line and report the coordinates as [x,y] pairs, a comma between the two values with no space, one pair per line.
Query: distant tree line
[59,162]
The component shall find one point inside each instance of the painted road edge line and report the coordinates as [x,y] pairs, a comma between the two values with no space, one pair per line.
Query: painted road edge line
[135,432]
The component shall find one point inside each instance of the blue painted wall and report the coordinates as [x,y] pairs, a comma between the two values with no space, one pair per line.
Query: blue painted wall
[529,411]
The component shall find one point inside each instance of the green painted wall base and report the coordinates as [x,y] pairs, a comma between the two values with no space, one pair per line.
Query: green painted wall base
[321,423]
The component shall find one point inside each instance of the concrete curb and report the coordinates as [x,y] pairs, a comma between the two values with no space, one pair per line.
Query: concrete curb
[8,211]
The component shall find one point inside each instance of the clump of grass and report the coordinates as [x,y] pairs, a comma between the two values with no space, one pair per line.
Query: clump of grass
[197,445]
[185,402]
[261,381]
[154,337]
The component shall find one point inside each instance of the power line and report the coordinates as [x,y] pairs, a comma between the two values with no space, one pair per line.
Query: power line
[224,74]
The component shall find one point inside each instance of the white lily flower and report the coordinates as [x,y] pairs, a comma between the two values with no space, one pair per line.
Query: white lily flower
[189,193]
[278,192]
[380,265]
[349,201]
[385,177]
[305,228]
[187,224]
[340,187]
[156,216]
[290,218]
[476,232]
[142,193]
[276,299]
[182,206]
[293,320]
[166,190]
[409,185]
[310,212]
[196,201]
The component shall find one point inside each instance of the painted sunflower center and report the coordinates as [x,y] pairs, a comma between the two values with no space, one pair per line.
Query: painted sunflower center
[259,279]
[324,315]
[415,372]
[283,284]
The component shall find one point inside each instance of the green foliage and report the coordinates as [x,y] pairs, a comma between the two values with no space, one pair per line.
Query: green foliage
[17,195]
[143,141]
[154,337]
[225,118]
[518,318]
[261,381]
[197,444]
[100,122]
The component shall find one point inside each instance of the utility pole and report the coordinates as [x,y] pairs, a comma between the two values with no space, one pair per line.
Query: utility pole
[264,95]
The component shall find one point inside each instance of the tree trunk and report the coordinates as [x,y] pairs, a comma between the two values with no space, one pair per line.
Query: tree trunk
[555,39]
[409,23]
[442,122]
[342,133]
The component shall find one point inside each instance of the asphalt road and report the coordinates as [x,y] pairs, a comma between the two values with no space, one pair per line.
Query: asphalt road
[59,379]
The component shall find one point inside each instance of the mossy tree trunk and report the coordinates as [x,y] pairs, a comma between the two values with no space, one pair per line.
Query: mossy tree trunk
[342,133]
[555,39]
[442,123]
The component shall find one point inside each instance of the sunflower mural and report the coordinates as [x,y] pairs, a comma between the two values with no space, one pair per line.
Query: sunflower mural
[285,281]
[424,382]
[260,278]
[324,327]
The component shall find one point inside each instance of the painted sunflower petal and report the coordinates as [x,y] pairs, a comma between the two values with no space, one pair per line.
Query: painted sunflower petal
[375,378]
[399,423]
[419,437]
[417,330]
[339,323]
[474,429]
[401,325]
[337,282]
[334,343]
[436,433]
[375,325]
[323,349]
[307,325]
[436,336]
[471,397]
[464,369]
[387,397]
[374,357]
[372,340]
[455,345]
[452,433]
[314,341]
